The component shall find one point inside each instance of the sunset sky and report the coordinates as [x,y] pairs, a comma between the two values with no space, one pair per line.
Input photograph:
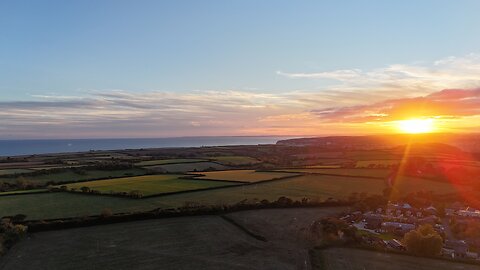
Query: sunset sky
[91,69]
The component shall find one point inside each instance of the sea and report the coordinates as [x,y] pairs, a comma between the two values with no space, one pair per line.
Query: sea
[31,147]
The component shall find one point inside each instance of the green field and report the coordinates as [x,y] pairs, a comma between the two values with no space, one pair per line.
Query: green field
[248,176]
[147,185]
[372,155]
[63,204]
[167,161]
[378,173]
[14,171]
[72,176]
[28,191]
[407,184]
[324,167]
[236,160]
[186,167]
[313,186]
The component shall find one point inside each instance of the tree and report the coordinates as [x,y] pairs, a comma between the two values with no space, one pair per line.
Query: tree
[424,241]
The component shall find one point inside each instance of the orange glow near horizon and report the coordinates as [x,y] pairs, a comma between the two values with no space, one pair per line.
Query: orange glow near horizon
[416,126]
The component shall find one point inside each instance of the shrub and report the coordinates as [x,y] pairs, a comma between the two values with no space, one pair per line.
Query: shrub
[107,212]
[10,233]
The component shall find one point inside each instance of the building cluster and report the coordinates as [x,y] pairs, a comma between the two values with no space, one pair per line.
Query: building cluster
[397,219]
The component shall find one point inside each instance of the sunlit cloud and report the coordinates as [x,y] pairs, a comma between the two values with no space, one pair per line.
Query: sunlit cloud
[357,100]
[452,103]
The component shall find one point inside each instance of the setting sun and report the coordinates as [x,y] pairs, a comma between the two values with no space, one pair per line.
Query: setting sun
[416,125]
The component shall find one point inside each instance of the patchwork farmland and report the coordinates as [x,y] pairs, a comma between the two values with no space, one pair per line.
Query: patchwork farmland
[146,185]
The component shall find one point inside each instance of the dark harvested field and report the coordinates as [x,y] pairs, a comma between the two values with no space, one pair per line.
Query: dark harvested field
[357,259]
[176,243]
[72,176]
[186,167]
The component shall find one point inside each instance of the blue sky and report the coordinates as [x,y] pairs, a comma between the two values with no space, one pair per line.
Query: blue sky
[83,49]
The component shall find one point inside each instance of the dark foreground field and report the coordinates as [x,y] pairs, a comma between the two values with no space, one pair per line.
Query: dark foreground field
[205,242]
[180,243]
[356,259]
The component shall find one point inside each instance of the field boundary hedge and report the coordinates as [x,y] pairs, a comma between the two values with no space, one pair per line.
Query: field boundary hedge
[94,220]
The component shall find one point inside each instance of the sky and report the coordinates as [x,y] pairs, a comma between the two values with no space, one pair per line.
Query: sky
[105,68]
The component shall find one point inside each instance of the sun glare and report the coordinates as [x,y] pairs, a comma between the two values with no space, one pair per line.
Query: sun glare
[415,126]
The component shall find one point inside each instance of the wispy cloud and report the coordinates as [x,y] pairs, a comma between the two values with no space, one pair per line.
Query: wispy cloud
[359,97]
[450,72]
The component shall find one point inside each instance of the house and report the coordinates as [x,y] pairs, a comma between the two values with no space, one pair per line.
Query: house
[432,220]
[397,227]
[469,212]
[460,247]
[373,221]
[394,244]
[431,210]
[472,255]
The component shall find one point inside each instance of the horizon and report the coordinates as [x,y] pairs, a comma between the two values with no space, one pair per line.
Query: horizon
[430,134]
[157,69]
[273,134]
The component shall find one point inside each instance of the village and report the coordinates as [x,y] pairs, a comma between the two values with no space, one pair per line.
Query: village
[385,228]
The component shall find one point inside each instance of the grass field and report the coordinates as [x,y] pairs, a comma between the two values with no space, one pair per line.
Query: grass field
[324,167]
[207,242]
[63,204]
[372,155]
[313,186]
[236,160]
[14,171]
[407,184]
[23,191]
[249,176]
[168,161]
[353,259]
[71,176]
[379,173]
[290,226]
[187,167]
[147,185]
